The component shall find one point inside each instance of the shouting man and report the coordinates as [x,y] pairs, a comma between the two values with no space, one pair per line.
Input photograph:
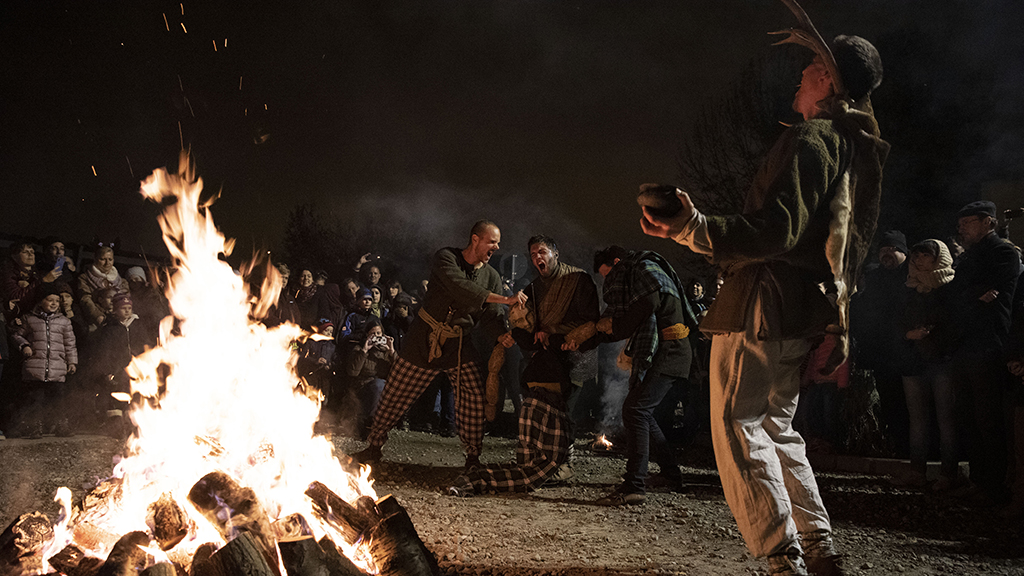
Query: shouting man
[464,292]
[806,226]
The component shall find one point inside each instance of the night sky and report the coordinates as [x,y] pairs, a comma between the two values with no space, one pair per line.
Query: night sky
[532,113]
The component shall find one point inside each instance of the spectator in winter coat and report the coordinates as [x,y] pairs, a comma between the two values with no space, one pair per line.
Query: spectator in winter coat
[123,335]
[357,319]
[147,301]
[378,308]
[982,293]
[396,323]
[317,360]
[305,298]
[102,274]
[927,326]
[53,267]
[19,282]
[47,341]
[366,366]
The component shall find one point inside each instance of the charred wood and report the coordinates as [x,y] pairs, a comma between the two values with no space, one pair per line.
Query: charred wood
[242,556]
[230,507]
[303,557]
[127,557]
[332,509]
[395,545]
[21,544]
[337,563]
[161,569]
[202,554]
[169,521]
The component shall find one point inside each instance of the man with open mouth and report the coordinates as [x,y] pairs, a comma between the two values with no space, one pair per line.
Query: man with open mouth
[465,292]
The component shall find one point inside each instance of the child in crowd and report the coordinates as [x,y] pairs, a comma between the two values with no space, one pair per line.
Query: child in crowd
[316,359]
[47,342]
[357,319]
[122,336]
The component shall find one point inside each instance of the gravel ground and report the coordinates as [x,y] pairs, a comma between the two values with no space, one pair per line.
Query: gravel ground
[558,530]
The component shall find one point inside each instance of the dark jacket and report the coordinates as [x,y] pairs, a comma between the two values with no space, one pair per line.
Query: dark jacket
[990,264]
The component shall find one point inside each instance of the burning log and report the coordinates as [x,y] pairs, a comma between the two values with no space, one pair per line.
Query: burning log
[21,544]
[392,539]
[337,563]
[352,522]
[169,521]
[243,556]
[230,507]
[161,569]
[395,545]
[127,557]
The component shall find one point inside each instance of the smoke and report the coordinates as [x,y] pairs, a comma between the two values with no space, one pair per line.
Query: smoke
[614,383]
[408,224]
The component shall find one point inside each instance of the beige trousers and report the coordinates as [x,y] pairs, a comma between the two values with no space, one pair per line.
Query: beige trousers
[768,482]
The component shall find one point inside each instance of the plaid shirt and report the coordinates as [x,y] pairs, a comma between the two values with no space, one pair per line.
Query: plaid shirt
[636,276]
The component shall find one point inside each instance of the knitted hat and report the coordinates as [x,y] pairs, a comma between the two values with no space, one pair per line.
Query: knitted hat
[896,239]
[135,273]
[859,64]
[364,293]
[979,208]
[121,300]
[324,324]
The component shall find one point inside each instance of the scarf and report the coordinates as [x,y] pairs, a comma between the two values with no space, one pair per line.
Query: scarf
[306,294]
[925,281]
[100,280]
[637,275]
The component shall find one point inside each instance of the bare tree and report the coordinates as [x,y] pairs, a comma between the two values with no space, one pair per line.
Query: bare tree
[734,131]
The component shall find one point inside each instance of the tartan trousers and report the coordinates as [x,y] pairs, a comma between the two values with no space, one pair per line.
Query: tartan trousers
[406,382]
[543,447]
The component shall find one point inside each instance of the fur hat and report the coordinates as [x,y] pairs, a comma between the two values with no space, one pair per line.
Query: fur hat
[979,208]
[896,239]
[859,64]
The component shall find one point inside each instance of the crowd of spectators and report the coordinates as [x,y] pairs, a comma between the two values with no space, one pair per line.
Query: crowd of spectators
[937,326]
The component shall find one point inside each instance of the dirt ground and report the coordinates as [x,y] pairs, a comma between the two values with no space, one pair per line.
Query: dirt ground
[559,531]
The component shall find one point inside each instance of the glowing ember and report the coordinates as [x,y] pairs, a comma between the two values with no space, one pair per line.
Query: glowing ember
[218,394]
[601,443]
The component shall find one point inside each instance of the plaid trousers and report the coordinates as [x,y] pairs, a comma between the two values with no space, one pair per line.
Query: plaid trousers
[406,382]
[543,447]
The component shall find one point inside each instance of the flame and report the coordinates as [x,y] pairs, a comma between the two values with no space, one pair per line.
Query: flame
[218,393]
[602,443]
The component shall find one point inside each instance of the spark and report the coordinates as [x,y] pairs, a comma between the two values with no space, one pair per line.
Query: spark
[264,106]
[225,42]
[239,82]
[182,8]
[246,112]
[180,85]
[193,112]
[181,138]
[130,171]
[94,170]
[183,28]
[166,25]
[214,45]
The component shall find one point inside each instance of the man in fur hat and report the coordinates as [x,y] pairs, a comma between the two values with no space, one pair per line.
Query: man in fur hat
[807,222]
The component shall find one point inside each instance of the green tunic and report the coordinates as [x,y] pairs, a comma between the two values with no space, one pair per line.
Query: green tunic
[775,249]
[457,296]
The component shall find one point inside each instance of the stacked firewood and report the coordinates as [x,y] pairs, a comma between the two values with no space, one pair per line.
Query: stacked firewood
[255,545]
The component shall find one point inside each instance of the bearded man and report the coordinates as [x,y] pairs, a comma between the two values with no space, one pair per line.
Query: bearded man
[465,292]
[807,223]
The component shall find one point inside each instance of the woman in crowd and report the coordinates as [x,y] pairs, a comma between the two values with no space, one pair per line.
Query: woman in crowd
[102,274]
[927,324]
[305,299]
[19,281]
[394,288]
[52,265]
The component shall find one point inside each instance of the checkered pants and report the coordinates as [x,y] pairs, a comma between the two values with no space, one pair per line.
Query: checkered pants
[543,447]
[406,383]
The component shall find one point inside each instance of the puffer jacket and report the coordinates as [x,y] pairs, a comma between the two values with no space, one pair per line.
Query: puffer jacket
[53,346]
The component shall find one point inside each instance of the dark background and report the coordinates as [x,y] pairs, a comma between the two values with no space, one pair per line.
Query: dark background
[425,115]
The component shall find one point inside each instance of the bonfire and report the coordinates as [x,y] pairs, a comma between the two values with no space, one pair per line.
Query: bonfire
[224,474]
